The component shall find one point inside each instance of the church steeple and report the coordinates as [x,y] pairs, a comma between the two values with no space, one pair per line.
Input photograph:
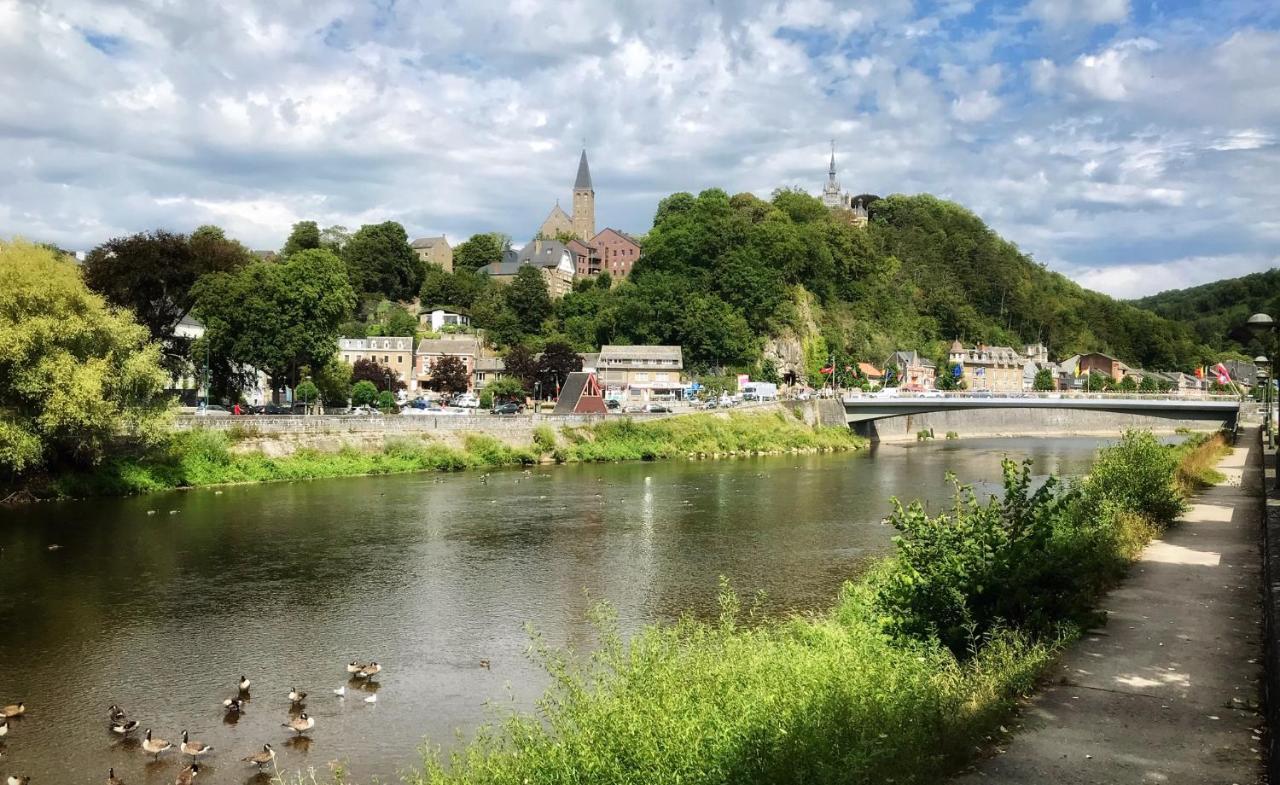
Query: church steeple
[831,191]
[584,202]
[831,173]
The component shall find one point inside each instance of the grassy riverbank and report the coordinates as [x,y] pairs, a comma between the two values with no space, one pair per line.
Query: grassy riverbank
[198,458]
[916,664]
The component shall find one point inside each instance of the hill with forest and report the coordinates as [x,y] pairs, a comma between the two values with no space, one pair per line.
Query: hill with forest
[1216,312]
[731,278]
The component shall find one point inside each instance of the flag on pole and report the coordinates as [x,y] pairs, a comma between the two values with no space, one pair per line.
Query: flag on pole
[1224,375]
[1200,372]
[826,369]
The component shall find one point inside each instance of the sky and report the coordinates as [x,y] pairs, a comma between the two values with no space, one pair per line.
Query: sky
[1133,145]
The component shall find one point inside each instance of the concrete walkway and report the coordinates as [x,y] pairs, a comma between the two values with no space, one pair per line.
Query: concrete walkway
[1168,690]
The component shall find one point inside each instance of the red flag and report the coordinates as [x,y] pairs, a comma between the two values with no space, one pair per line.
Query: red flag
[1200,372]
[827,369]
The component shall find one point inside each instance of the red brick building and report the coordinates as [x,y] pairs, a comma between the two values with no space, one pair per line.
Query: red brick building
[609,251]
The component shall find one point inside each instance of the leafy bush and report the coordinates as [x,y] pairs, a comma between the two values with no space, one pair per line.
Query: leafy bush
[364,393]
[544,439]
[1138,474]
[387,401]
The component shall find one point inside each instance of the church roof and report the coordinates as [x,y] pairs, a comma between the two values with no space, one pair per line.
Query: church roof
[584,174]
[558,212]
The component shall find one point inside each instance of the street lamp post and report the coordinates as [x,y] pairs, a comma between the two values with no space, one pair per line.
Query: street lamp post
[1264,379]
[1264,327]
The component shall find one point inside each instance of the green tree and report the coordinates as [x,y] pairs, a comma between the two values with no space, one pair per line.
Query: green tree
[379,259]
[480,249]
[364,393]
[391,319]
[505,388]
[335,238]
[458,289]
[334,381]
[449,375]
[75,374]
[153,273]
[307,393]
[305,236]
[1128,384]
[529,299]
[1149,385]
[1044,381]
[387,401]
[277,318]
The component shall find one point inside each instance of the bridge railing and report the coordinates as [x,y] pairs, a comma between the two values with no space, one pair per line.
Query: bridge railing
[854,396]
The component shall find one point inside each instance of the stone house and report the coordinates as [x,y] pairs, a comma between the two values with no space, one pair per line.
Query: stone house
[1105,364]
[640,373]
[990,368]
[435,250]
[393,352]
[466,348]
[915,372]
[551,257]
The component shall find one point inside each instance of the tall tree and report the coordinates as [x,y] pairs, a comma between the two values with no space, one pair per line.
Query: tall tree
[1043,381]
[557,361]
[480,249]
[379,259]
[335,238]
[521,364]
[449,375]
[529,299]
[277,318]
[305,236]
[75,374]
[152,273]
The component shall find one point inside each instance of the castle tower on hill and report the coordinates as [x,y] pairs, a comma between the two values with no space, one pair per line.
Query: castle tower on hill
[855,207]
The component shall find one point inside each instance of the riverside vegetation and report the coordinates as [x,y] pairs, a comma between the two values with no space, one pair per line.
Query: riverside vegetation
[199,457]
[918,662]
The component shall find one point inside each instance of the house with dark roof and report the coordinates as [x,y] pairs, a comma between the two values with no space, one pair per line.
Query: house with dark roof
[556,262]
[581,394]
[434,250]
[641,373]
[914,371]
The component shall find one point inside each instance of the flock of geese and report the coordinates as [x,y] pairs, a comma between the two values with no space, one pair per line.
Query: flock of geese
[299,722]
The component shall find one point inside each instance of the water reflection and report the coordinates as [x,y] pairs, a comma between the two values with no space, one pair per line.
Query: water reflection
[429,575]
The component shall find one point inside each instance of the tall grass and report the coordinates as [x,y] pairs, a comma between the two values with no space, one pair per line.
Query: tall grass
[916,663]
[700,435]
[198,458]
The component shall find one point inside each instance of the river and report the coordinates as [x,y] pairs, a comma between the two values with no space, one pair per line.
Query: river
[162,612]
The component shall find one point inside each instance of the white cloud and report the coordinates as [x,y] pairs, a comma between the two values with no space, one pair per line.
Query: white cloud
[1113,73]
[1059,13]
[1139,280]
[975,107]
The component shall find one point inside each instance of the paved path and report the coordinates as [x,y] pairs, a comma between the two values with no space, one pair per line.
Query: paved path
[1167,691]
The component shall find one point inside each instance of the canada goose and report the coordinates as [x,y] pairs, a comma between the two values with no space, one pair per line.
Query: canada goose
[187,775]
[112,779]
[484,664]
[4,727]
[194,748]
[340,692]
[151,512]
[295,696]
[124,727]
[354,667]
[233,705]
[155,746]
[54,547]
[115,713]
[243,685]
[14,710]
[300,724]
[372,669]
[372,698]
[14,779]
[173,512]
[261,759]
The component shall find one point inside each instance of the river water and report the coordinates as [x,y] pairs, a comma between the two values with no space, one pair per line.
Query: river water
[428,574]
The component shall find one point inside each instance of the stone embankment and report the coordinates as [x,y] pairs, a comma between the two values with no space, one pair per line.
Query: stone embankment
[978,423]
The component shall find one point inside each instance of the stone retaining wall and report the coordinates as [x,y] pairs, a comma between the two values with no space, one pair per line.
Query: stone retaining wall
[973,423]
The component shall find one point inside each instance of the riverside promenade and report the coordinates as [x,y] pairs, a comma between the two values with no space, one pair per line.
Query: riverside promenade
[1169,689]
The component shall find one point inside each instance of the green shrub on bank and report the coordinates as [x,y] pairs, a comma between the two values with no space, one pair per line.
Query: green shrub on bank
[701,434]
[897,683]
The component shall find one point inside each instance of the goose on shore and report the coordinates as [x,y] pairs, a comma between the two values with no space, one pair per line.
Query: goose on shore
[194,748]
[263,758]
[154,746]
[124,727]
[300,724]
[112,779]
[14,710]
[295,696]
[243,684]
[187,775]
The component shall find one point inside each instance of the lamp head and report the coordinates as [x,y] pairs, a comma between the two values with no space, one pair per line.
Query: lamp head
[1260,360]
[1260,322]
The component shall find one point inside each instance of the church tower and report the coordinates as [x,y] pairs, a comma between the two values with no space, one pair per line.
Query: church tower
[831,191]
[584,202]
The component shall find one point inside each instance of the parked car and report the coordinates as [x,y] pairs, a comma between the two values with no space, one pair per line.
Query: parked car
[212,410]
[657,408]
[613,404]
[467,401]
[365,411]
[510,407]
[269,409]
[711,404]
